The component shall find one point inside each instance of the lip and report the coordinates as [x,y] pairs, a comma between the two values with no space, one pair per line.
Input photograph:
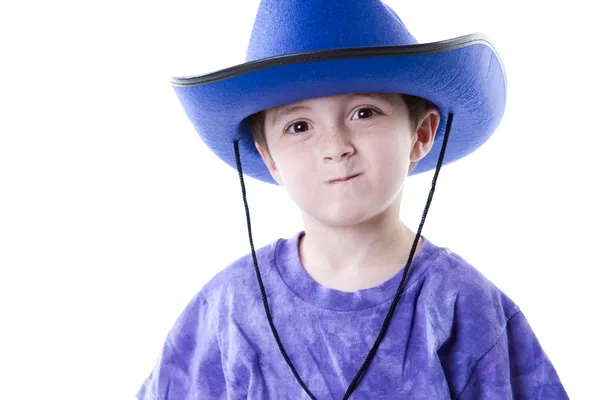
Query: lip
[345,179]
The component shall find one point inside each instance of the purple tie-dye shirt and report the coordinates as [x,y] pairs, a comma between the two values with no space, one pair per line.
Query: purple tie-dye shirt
[454,336]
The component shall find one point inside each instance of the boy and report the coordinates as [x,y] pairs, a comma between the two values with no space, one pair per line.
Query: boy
[331,105]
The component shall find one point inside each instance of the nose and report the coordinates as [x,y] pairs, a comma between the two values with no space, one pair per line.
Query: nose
[336,147]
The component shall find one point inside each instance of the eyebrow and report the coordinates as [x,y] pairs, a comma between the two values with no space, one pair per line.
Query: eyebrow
[285,110]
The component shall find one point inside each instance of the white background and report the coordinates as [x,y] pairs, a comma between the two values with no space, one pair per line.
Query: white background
[113,213]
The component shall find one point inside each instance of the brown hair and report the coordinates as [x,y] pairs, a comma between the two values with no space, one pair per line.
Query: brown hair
[416,109]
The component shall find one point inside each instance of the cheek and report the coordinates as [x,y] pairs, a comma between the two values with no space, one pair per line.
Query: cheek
[304,188]
[296,169]
[388,161]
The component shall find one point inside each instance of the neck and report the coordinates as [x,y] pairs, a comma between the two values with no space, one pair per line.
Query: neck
[382,242]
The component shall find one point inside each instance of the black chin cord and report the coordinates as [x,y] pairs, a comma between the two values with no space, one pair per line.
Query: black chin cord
[388,317]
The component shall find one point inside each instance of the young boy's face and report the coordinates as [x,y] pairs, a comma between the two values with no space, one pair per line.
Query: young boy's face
[368,137]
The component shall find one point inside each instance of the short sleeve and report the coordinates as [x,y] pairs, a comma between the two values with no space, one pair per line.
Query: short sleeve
[515,367]
[189,364]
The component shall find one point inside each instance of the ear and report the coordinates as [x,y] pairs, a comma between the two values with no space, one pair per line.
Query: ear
[268,160]
[424,135]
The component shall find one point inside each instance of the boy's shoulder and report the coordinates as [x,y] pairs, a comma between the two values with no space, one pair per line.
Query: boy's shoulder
[456,277]
[238,278]
[462,304]
[482,337]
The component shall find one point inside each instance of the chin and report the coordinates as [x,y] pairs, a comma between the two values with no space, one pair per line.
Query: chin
[344,214]
[342,211]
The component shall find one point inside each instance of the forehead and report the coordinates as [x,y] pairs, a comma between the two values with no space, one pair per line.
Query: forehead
[273,114]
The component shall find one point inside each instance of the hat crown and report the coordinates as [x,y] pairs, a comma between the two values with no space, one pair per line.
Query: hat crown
[292,26]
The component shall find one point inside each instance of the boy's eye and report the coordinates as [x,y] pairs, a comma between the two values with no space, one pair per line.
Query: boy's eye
[298,127]
[303,126]
[364,112]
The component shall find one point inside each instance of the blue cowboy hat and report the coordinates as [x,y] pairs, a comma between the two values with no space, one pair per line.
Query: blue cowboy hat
[302,49]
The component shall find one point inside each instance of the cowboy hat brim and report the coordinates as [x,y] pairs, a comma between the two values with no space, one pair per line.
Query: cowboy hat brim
[463,76]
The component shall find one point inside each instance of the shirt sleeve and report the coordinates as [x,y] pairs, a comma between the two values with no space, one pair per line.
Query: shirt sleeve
[189,364]
[515,367]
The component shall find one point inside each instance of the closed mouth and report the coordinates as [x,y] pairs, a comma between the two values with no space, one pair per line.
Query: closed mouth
[343,179]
